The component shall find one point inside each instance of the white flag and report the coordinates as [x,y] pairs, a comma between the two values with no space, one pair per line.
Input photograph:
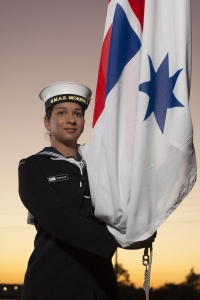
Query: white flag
[142,161]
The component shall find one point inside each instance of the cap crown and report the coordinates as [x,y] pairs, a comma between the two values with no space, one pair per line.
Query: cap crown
[66,92]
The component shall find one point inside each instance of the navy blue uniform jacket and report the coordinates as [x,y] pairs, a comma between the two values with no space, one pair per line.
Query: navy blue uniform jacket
[72,250]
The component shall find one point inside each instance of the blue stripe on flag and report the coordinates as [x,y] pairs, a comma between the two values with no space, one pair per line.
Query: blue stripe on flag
[123,46]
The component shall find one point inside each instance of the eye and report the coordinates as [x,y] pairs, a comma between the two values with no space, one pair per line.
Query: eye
[61,112]
[78,114]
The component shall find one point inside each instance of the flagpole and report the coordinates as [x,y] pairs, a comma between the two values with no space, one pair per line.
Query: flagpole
[116,263]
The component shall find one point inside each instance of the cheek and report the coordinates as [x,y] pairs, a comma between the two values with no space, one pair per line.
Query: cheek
[55,124]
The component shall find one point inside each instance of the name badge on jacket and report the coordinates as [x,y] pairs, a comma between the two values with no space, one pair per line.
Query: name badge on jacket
[56,178]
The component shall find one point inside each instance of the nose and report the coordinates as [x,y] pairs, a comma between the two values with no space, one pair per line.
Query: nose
[70,118]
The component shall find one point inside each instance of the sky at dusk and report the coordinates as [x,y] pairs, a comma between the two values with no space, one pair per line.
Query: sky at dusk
[48,41]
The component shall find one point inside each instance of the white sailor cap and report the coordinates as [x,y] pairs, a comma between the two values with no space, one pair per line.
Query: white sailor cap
[65,92]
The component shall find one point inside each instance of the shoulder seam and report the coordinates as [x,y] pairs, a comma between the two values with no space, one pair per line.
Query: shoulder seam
[22,161]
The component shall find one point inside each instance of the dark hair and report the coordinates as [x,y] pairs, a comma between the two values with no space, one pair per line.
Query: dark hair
[49,112]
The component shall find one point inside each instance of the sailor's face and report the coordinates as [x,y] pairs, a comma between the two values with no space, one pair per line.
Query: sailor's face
[66,123]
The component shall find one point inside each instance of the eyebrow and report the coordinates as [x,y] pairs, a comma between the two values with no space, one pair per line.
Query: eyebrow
[63,107]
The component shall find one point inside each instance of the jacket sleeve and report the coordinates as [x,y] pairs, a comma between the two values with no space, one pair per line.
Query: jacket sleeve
[41,200]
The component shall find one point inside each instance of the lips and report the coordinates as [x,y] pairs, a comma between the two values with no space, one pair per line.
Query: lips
[70,129]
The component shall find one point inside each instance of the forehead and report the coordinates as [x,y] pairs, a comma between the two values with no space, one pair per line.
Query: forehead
[67,105]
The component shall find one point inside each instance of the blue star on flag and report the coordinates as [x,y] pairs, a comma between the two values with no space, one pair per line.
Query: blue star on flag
[160,91]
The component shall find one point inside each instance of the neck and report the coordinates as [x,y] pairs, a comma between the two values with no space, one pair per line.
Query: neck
[66,150]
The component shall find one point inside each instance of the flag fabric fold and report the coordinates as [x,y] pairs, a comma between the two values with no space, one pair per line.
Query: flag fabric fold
[141,160]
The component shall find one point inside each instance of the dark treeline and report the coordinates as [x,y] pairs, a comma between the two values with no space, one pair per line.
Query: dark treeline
[10,291]
[187,290]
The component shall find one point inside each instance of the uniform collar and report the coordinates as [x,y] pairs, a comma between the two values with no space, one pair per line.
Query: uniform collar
[52,152]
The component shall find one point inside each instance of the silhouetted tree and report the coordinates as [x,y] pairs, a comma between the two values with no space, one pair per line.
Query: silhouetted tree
[127,288]
[123,276]
[193,280]
[187,290]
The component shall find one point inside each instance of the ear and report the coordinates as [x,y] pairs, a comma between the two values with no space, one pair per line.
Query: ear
[47,123]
